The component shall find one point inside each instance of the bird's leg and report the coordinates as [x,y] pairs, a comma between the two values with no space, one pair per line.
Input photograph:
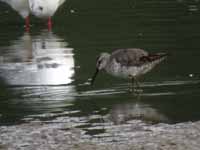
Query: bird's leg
[27,24]
[134,85]
[138,89]
[137,83]
[131,83]
[49,24]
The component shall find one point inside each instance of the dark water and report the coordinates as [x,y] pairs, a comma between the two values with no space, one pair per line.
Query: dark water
[44,75]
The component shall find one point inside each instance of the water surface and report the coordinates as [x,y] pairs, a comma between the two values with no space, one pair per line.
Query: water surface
[44,75]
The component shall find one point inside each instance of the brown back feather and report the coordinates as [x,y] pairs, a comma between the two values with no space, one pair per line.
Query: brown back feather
[129,57]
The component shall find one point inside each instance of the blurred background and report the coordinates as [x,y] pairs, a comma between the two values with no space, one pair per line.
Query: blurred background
[44,74]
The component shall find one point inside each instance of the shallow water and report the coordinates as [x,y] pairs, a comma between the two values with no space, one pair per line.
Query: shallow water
[44,75]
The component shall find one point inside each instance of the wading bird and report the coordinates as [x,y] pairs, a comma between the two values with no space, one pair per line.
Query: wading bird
[128,63]
[44,9]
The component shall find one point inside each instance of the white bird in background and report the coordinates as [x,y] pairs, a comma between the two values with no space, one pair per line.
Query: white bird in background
[44,9]
[22,7]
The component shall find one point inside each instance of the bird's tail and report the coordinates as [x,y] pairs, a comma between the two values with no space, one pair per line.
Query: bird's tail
[158,56]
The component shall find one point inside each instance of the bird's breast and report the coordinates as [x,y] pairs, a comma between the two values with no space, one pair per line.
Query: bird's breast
[116,69]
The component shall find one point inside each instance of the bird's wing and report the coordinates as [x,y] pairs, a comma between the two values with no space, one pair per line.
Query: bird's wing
[129,57]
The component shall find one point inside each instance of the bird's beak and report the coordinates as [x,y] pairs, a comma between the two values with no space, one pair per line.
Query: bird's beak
[94,77]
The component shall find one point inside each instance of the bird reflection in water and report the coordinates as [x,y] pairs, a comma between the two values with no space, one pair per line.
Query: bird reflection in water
[123,113]
[37,72]
[39,60]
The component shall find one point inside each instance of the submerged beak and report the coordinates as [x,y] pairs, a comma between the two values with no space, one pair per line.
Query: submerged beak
[94,77]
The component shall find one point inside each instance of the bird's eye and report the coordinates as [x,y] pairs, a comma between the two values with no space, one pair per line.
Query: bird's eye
[99,61]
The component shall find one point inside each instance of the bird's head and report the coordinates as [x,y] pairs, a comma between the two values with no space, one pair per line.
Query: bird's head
[101,63]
